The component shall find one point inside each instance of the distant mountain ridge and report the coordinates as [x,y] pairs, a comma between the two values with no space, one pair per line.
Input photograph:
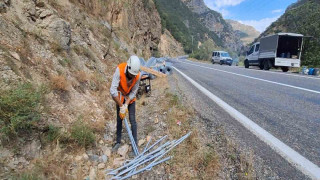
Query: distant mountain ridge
[247,33]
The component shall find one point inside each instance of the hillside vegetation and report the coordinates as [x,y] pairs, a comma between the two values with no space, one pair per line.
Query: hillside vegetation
[302,17]
[57,58]
[214,21]
[183,24]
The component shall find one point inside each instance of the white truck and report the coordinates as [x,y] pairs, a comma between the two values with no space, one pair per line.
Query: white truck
[280,50]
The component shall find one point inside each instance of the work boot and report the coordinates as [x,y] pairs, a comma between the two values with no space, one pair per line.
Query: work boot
[115,147]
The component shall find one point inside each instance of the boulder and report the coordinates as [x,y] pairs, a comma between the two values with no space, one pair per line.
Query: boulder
[45,14]
[15,55]
[94,158]
[141,142]
[107,152]
[3,8]
[101,166]
[78,158]
[123,150]
[118,162]
[40,4]
[156,120]
[32,150]
[104,158]
[148,138]
[92,174]
[101,142]
[60,31]
[85,157]
[4,4]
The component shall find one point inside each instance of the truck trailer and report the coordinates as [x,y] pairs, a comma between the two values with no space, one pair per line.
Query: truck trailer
[280,50]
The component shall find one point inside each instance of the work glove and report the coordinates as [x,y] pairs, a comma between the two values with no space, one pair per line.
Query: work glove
[123,111]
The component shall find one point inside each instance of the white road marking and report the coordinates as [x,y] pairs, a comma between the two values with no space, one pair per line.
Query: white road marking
[272,82]
[293,157]
[280,73]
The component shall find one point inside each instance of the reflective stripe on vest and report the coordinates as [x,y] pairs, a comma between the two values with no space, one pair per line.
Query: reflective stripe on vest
[123,84]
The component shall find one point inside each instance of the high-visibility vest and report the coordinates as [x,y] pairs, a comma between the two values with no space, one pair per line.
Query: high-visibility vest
[124,87]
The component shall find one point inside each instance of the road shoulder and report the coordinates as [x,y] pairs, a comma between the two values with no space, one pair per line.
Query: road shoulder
[266,163]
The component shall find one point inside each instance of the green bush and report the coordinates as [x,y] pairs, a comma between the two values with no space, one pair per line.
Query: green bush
[65,62]
[53,133]
[19,109]
[36,173]
[200,54]
[205,51]
[28,176]
[82,134]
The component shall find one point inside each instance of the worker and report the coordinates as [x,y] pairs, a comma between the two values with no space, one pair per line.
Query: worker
[125,84]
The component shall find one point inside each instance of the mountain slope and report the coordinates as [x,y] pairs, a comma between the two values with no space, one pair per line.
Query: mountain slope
[183,24]
[247,33]
[56,50]
[215,23]
[192,23]
[301,17]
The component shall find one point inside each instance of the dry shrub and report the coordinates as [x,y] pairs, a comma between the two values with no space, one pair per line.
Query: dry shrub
[97,126]
[193,159]
[25,53]
[81,76]
[202,161]
[56,48]
[19,110]
[98,82]
[200,157]
[59,83]
[82,134]
[53,167]
[246,170]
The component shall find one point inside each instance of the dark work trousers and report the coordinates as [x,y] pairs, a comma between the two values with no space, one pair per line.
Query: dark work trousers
[132,119]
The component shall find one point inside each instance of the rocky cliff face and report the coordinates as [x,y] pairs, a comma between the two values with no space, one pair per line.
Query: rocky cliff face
[168,46]
[247,33]
[215,22]
[197,6]
[135,22]
[62,46]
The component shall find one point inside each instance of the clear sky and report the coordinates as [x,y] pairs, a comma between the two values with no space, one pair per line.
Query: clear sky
[257,13]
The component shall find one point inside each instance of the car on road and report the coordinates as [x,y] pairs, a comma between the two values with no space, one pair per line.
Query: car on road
[280,50]
[221,57]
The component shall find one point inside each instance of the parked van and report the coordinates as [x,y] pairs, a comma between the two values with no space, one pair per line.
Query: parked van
[221,57]
[280,50]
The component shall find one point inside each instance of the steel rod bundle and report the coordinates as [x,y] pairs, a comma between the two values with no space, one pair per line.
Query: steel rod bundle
[133,143]
[150,157]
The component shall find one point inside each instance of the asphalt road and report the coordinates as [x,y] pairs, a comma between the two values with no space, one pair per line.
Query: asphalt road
[284,104]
